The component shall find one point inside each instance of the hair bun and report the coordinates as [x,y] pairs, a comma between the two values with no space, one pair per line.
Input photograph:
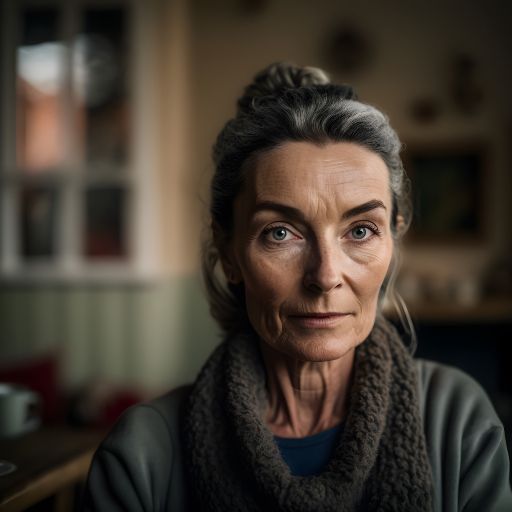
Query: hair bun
[279,77]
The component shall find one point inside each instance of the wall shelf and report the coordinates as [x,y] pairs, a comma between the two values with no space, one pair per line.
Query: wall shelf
[491,310]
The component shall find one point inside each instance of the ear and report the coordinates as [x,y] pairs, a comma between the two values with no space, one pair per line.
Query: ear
[227,255]
[231,269]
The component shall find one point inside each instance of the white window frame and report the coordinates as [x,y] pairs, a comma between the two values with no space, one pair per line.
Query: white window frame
[138,179]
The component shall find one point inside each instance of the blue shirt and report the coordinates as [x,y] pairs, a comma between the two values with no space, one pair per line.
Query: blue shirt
[309,455]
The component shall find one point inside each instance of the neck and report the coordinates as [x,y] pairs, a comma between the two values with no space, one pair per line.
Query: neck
[306,397]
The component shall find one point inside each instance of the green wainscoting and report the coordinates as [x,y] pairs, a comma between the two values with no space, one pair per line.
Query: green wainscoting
[151,335]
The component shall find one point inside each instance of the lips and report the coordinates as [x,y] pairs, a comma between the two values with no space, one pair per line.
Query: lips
[319,320]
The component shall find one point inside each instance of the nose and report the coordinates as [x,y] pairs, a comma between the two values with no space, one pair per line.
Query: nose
[324,268]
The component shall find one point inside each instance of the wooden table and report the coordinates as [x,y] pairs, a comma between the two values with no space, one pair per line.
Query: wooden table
[49,463]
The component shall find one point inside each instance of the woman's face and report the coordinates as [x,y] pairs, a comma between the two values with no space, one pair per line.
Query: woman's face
[312,244]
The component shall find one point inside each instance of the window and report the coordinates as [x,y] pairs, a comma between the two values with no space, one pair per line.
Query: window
[75,165]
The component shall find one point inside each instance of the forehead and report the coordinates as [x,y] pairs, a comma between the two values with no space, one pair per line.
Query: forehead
[295,171]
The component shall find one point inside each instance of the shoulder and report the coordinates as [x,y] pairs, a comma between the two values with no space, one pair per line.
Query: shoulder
[139,466]
[449,393]
[456,410]
[465,440]
[149,423]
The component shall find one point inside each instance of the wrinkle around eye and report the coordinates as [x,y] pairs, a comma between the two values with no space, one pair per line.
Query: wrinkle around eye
[371,237]
[372,227]
[291,234]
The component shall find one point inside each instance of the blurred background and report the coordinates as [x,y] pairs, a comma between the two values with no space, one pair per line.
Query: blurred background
[108,114]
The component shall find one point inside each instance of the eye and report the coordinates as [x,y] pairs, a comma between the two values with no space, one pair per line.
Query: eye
[363,232]
[279,234]
[359,232]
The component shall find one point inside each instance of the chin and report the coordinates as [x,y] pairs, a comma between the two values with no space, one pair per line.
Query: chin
[320,347]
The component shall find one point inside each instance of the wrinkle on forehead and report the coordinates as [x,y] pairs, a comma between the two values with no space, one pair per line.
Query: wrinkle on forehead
[312,176]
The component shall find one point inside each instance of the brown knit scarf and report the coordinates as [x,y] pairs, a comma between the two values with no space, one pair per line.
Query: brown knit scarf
[380,462]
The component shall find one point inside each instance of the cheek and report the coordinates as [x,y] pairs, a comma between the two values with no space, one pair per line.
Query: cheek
[370,275]
[269,281]
[264,295]
[366,288]
[269,277]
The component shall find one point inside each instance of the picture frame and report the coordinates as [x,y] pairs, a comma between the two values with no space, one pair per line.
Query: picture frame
[448,183]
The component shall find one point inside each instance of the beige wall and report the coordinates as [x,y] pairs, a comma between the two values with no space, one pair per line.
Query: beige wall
[180,209]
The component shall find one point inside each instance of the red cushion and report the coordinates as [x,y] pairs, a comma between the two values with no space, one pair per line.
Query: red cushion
[41,375]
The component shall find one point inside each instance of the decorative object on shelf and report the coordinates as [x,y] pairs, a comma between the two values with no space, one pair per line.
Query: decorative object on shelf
[409,286]
[468,291]
[425,110]
[426,287]
[448,192]
[464,93]
[438,288]
[347,50]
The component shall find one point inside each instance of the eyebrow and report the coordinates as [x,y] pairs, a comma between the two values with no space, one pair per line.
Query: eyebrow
[290,211]
[363,208]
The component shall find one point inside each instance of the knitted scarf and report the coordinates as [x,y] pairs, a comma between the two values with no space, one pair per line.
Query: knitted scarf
[380,462]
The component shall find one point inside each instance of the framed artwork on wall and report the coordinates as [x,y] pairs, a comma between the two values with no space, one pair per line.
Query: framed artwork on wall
[448,182]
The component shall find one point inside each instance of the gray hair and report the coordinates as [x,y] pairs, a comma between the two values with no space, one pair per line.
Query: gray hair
[290,103]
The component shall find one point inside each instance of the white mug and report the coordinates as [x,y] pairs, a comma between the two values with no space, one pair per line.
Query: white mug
[19,410]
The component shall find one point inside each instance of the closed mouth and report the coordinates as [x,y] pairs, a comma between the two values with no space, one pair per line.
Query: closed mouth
[319,320]
[319,315]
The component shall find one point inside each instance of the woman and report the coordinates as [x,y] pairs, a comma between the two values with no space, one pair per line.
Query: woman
[312,402]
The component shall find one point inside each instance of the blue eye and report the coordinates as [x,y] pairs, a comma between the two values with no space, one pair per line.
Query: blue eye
[279,234]
[359,233]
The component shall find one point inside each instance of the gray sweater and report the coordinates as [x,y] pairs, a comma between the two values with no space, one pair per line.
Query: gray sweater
[139,467]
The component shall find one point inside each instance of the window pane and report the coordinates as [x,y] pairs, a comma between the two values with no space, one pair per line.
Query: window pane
[105,215]
[38,221]
[100,81]
[40,68]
